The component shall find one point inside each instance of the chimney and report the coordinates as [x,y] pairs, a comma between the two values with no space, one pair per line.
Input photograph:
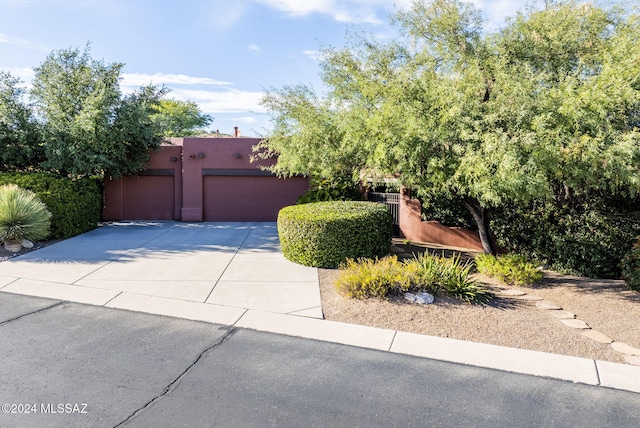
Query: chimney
[236,132]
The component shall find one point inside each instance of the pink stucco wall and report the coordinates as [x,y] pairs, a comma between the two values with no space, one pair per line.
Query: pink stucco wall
[414,229]
[213,180]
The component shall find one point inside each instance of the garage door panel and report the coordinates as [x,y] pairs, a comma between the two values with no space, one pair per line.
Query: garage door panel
[238,198]
[148,197]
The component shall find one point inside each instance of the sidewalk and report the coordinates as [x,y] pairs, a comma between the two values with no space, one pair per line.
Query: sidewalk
[234,274]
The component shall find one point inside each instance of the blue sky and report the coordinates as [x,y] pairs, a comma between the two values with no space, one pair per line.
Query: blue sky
[222,54]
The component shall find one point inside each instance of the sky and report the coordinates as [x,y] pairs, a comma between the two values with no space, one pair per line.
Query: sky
[221,54]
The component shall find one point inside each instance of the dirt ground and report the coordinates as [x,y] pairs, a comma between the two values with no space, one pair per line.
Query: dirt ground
[607,306]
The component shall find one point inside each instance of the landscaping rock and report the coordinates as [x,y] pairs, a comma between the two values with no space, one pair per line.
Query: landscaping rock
[577,324]
[566,315]
[512,292]
[549,306]
[625,349]
[27,244]
[597,336]
[420,298]
[632,359]
[529,297]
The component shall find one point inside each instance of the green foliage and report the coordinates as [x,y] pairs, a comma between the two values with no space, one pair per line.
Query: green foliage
[512,269]
[448,275]
[20,145]
[586,236]
[177,118]
[331,189]
[446,209]
[75,205]
[550,101]
[22,215]
[366,278]
[631,267]
[89,127]
[325,234]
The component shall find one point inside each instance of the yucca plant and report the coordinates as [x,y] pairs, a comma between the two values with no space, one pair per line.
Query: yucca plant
[22,216]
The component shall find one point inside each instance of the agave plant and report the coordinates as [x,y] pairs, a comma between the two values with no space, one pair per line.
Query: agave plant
[22,215]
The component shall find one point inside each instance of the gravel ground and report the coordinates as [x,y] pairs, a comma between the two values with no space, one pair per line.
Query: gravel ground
[607,306]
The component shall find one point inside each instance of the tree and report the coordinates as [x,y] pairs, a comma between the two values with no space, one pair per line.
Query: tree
[89,127]
[20,146]
[547,107]
[180,118]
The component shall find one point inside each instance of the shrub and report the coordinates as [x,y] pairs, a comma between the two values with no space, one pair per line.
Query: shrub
[326,234]
[587,237]
[631,267]
[511,269]
[379,278]
[22,215]
[75,205]
[372,278]
[449,275]
[335,189]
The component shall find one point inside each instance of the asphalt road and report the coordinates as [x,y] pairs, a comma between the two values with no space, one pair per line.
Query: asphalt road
[72,365]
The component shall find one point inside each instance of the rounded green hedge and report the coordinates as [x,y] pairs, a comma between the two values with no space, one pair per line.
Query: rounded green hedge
[326,234]
[75,205]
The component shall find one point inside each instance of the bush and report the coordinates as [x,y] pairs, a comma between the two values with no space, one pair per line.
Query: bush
[511,269]
[22,215]
[335,189]
[326,234]
[75,205]
[387,276]
[631,267]
[448,275]
[586,238]
[372,278]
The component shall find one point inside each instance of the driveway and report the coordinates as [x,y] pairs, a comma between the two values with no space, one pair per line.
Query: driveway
[206,271]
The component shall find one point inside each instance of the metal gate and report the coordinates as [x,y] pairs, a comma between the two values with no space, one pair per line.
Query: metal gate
[392,201]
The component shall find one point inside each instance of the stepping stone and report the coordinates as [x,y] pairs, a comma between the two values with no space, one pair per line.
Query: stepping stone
[625,349]
[597,336]
[631,359]
[550,306]
[512,292]
[529,297]
[565,315]
[577,324]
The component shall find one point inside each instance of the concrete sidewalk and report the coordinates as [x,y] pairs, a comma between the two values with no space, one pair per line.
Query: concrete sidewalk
[235,274]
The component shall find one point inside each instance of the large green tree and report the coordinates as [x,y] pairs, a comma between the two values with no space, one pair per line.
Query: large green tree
[546,107]
[90,128]
[20,146]
[179,118]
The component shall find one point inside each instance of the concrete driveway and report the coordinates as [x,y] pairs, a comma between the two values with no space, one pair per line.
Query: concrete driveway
[206,271]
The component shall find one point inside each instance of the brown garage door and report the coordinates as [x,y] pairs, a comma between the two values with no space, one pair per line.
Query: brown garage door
[148,197]
[249,198]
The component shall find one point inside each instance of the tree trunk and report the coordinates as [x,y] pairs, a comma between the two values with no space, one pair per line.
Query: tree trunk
[482,221]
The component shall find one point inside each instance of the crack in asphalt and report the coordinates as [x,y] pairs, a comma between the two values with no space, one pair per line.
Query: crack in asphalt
[34,312]
[174,383]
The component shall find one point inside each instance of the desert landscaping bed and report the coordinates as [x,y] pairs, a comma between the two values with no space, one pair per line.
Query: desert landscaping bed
[606,306]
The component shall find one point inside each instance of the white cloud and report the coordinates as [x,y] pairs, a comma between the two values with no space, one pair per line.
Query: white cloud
[314,55]
[139,79]
[25,74]
[22,43]
[227,101]
[255,48]
[496,11]
[358,11]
